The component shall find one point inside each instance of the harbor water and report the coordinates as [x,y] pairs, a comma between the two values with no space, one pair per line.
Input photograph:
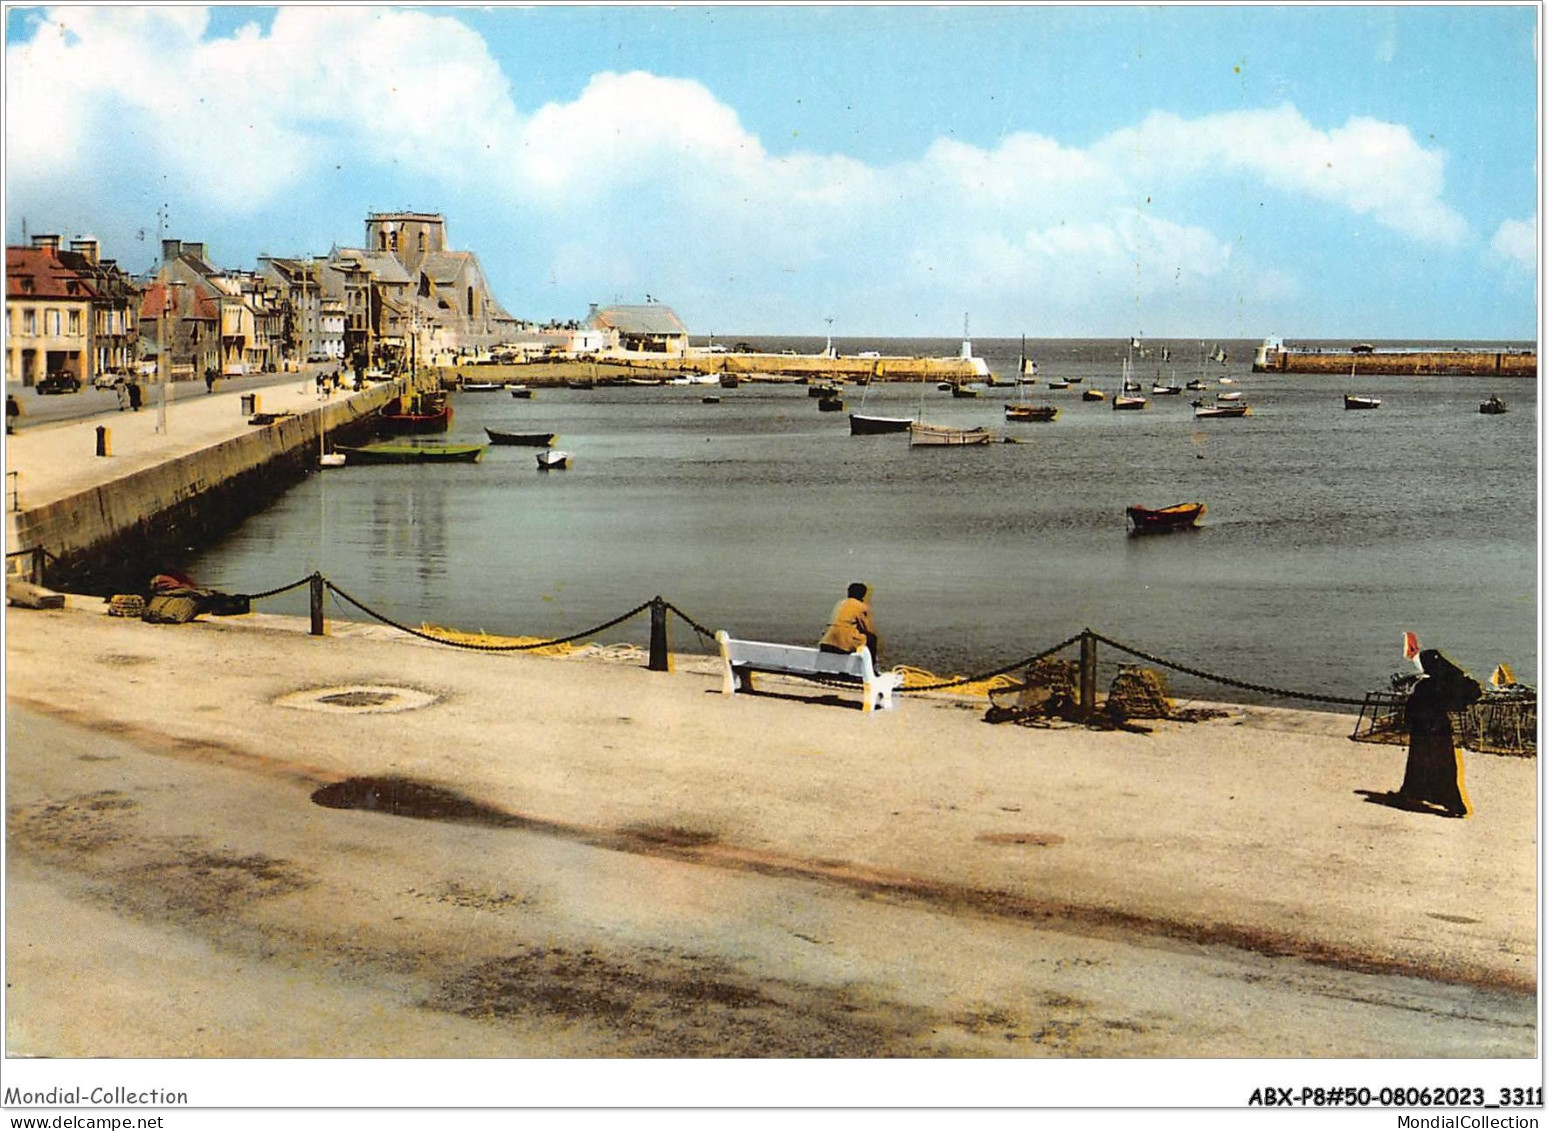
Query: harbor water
[1328,533]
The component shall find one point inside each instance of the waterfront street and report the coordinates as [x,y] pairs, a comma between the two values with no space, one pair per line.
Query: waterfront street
[57,457]
[615,862]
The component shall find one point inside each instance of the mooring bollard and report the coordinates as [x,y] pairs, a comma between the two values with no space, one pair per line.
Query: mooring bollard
[104,441]
[660,657]
[1088,672]
[319,627]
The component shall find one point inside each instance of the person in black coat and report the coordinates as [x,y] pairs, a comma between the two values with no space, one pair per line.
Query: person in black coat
[1433,776]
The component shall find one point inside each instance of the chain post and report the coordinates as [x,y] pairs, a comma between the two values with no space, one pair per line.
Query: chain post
[660,656]
[1088,672]
[319,626]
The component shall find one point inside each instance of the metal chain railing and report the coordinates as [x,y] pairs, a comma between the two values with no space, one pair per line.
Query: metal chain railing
[706,634]
[1006,670]
[282,589]
[401,627]
[1228,681]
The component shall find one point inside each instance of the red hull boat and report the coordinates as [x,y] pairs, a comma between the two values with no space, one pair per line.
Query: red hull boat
[1180,516]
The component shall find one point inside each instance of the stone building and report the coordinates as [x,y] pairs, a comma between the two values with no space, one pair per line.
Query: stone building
[48,315]
[210,323]
[314,318]
[450,305]
[650,328]
[114,330]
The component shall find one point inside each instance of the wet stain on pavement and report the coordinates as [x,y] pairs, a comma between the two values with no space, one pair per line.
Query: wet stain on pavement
[670,835]
[668,1004]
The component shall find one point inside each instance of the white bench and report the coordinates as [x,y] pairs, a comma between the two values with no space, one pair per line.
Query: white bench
[743,657]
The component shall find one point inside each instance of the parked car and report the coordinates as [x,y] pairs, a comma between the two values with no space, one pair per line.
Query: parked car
[59,383]
[109,380]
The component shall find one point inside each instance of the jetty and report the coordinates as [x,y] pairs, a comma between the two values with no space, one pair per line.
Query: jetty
[623,366]
[1274,356]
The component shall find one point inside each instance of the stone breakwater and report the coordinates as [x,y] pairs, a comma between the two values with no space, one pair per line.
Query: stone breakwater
[747,366]
[1418,363]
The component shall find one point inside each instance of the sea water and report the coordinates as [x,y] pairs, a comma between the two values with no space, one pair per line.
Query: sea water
[1328,533]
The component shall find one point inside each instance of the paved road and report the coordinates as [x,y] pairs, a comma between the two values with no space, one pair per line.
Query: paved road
[457,936]
[590,859]
[38,409]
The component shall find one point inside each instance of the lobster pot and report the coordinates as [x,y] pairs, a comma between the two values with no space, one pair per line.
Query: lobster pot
[1499,724]
[1496,724]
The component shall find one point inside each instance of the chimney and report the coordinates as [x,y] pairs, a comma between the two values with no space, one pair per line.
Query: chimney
[196,250]
[87,248]
[46,242]
[592,313]
[170,250]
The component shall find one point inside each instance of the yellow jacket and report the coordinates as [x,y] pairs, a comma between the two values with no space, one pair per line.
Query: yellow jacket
[850,625]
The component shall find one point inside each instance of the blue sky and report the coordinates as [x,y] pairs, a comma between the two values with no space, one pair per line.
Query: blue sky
[1054,171]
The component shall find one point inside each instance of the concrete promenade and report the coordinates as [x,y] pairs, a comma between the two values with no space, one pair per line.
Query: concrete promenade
[55,461]
[570,857]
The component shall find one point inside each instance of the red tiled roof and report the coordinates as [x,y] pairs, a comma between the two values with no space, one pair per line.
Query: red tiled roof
[48,278]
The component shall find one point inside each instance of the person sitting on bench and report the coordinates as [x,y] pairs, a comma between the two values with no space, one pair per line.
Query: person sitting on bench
[851,627]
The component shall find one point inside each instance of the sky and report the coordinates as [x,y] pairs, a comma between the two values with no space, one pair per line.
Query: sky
[1068,171]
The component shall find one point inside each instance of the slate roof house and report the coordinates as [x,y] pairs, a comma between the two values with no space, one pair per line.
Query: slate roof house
[651,328]
[48,311]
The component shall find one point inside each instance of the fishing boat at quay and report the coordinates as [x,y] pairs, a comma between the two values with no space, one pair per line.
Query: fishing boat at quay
[417,414]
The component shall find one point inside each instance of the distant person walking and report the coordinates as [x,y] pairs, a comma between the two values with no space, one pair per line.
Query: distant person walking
[851,626]
[123,396]
[12,411]
[1433,776]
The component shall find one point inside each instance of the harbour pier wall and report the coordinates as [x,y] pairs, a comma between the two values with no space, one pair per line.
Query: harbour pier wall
[1416,363]
[105,537]
[753,366]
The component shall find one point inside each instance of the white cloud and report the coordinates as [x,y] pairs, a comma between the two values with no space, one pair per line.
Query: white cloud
[654,180]
[1369,167]
[239,121]
[1515,241]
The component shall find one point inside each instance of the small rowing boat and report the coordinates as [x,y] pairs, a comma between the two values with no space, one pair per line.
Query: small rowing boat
[1204,412]
[553,460]
[521,439]
[409,451]
[1352,400]
[1162,520]
[862,425]
[922,435]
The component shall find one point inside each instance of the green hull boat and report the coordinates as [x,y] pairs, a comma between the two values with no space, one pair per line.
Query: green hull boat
[413,453]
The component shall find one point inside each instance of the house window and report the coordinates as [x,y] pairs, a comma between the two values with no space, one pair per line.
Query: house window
[75,321]
[51,322]
[29,321]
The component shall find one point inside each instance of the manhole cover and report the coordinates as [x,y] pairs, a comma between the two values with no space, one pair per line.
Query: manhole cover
[358,699]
